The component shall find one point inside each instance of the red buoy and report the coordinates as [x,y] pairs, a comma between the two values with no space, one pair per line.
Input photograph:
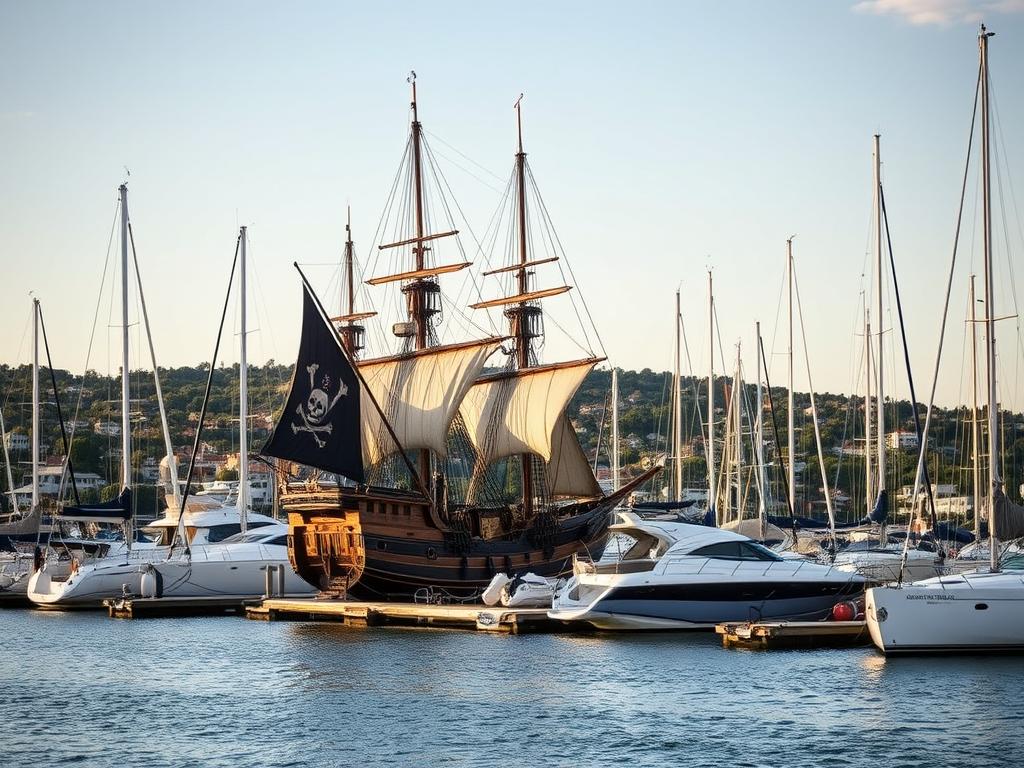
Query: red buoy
[844,611]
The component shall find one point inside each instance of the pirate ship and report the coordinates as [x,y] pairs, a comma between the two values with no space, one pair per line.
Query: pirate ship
[447,473]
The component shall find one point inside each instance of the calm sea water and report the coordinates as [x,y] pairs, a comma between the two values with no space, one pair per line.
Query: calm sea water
[85,689]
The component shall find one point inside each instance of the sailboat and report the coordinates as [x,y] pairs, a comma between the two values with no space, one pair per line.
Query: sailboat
[208,563]
[881,562]
[977,610]
[449,474]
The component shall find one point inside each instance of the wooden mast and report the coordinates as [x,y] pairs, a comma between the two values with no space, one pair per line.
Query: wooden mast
[352,332]
[416,291]
[518,315]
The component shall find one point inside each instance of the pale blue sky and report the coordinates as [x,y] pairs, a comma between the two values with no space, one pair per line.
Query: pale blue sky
[666,137]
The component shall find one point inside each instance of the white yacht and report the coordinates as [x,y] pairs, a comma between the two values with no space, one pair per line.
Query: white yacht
[682,576]
[219,561]
[881,564]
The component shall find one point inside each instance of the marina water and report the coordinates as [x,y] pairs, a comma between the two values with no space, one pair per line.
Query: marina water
[79,688]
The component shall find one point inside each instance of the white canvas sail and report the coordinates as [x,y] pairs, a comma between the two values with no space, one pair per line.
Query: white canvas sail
[420,394]
[518,412]
[568,471]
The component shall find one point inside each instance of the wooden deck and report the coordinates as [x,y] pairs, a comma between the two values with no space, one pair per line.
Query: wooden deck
[794,634]
[158,607]
[462,616]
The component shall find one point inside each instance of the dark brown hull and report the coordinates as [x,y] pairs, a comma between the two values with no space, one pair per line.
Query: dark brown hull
[392,545]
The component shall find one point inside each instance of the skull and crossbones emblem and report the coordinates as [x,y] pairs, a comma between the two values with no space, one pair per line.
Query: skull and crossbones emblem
[318,406]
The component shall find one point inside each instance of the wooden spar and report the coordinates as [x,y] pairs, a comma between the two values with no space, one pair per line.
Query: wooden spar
[433,351]
[353,317]
[537,369]
[418,239]
[521,298]
[415,274]
[514,267]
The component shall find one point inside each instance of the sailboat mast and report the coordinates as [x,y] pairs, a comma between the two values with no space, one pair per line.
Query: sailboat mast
[126,431]
[243,396]
[762,476]
[521,328]
[35,404]
[879,359]
[677,407]
[869,474]
[616,479]
[7,465]
[975,424]
[990,324]
[791,402]
[711,399]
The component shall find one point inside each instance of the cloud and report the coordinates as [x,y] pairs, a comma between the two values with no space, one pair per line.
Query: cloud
[942,12]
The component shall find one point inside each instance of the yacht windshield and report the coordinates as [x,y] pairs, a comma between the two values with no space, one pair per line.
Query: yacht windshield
[736,550]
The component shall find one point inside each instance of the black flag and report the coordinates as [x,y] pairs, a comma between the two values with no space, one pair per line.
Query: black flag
[320,426]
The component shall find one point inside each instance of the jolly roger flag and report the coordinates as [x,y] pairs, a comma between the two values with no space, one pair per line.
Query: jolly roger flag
[320,426]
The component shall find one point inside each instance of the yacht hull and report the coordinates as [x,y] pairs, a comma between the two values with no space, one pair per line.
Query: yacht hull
[962,614]
[702,605]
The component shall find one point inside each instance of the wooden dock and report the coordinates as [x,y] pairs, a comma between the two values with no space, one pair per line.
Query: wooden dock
[794,634]
[475,616]
[158,607]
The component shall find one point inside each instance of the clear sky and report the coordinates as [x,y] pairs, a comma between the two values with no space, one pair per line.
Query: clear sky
[666,137]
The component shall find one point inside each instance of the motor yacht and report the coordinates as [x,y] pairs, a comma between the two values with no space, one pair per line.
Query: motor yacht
[682,576]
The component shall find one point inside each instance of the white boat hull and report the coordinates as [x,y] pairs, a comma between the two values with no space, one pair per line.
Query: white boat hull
[968,613]
[179,577]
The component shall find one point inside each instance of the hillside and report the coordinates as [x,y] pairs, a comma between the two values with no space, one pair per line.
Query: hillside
[92,404]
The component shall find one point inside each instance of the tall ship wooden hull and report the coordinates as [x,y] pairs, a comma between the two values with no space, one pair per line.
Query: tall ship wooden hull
[387,545]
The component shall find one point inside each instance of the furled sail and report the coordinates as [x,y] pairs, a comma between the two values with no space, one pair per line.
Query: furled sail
[1009,518]
[568,471]
[420,393]
[518,411]
[117,510]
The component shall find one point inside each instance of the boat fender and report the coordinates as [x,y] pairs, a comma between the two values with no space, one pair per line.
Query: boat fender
[492,595]
[845,611]
[151,584]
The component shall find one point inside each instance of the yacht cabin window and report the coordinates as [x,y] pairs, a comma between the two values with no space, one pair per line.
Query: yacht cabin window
[736,550]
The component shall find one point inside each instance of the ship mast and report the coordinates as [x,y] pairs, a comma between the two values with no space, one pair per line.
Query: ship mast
[352,332]
[519,314]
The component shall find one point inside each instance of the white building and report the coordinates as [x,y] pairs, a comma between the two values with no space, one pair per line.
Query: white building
[16,441]
[50,484]
[901,440]
[108,428]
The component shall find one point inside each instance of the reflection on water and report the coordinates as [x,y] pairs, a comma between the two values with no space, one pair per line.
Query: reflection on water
[228,692]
